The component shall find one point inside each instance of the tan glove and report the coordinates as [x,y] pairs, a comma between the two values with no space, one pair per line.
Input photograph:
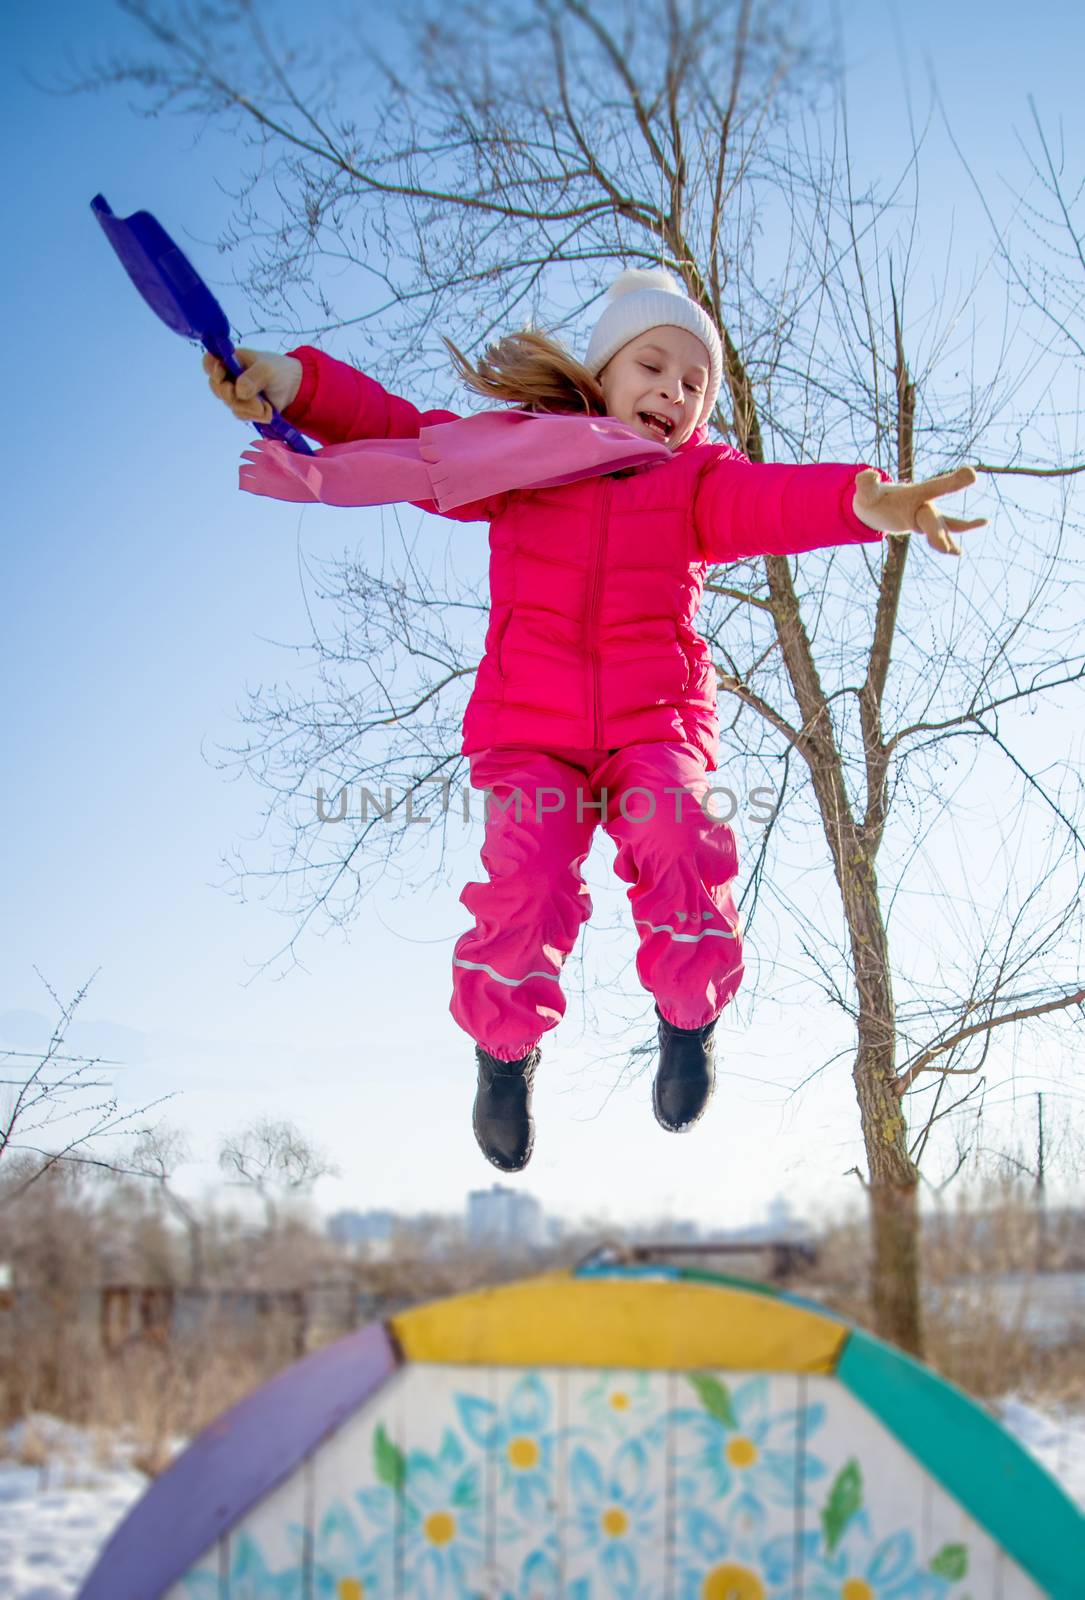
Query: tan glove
[910,508]
[278,378]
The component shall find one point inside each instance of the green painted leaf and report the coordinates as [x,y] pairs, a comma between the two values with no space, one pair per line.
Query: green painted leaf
[391,1465]
[845,1498]
[715,1397]
[951,1561]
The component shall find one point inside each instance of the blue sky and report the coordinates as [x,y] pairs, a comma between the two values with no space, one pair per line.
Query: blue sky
[143,594]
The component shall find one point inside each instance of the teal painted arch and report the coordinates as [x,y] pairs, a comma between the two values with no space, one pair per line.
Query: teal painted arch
[975,1460]
[967,1451]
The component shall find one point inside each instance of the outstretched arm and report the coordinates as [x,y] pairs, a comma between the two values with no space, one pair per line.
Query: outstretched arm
[328,399]
[336,403]
[746,508]
[332,402]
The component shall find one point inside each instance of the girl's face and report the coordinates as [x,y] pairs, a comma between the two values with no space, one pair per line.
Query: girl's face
[656,383]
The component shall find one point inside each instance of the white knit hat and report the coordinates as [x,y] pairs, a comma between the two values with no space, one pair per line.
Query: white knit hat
[639,300]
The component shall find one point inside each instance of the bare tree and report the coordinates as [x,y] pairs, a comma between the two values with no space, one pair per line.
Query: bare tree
[274,1161]
[157,1155]
[498,155]
[57,1107]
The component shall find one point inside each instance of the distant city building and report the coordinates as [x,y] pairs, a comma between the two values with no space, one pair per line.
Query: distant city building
[367,1232]
[781,1217]
[781,1225]
[505,1217]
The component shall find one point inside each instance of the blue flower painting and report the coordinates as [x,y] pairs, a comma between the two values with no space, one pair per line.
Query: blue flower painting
[513,1502]
[520,1436]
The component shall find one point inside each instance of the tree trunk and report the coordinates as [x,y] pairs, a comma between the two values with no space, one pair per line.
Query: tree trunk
[894,1225]
[892,1177]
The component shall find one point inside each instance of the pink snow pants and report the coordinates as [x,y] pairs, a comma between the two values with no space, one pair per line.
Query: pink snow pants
[541,809]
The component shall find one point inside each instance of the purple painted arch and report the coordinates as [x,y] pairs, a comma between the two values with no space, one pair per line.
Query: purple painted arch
[235,1462]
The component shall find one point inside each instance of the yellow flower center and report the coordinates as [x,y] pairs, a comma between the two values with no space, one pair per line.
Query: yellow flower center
[523,1453]
[619,1400]
[440,1527]
[350,1589]
[857,1589]
[615,1522]
[741,1452]
[732,1583]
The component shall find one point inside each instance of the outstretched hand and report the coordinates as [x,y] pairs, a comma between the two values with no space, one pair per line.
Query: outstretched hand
[909,507]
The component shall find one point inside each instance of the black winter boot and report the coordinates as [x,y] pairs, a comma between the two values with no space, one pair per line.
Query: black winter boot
[502,1120]
[686,1074]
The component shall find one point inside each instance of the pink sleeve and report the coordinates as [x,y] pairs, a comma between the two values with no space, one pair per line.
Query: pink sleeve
[337,404]
[746,508]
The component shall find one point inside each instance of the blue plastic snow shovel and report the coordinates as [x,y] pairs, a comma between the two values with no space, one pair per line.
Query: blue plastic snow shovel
[175,292]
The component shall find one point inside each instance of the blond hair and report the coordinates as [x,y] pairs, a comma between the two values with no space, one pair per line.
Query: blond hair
[532,371]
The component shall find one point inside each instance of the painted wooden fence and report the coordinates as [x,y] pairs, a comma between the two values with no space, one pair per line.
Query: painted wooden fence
[639,1434]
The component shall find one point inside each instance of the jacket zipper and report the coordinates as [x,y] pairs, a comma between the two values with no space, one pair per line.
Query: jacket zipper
[601,534]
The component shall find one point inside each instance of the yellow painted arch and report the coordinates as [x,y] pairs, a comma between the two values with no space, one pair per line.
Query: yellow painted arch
[560,1320]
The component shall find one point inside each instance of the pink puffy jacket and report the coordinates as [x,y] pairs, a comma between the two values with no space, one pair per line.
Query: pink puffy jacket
[594,586]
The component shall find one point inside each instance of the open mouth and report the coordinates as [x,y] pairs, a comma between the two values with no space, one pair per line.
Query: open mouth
[662,427]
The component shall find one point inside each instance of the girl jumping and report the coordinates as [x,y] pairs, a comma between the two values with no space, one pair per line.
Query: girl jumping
[595,700]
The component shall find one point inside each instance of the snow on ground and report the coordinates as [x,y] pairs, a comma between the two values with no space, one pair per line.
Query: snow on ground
[1055,1436]
[64,1489]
